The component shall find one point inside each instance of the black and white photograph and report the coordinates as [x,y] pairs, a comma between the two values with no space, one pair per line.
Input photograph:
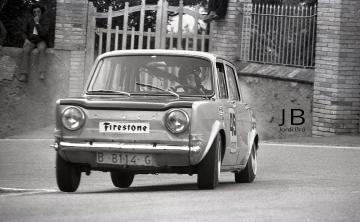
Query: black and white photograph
[179,110]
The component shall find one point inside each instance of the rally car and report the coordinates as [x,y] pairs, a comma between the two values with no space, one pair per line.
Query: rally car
[157,111]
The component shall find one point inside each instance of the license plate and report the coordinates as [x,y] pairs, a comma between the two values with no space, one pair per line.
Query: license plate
[123,127]
[124,158]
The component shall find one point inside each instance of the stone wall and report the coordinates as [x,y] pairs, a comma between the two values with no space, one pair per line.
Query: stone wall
[28,106]
[70,35]
[337,72]
[226,32]
[282,108]
[336,97]
[281,98]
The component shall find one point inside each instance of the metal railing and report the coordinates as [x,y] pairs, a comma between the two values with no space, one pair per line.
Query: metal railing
[279,34]
[114,37]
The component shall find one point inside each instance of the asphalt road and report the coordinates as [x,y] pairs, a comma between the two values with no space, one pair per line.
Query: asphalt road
[293,184]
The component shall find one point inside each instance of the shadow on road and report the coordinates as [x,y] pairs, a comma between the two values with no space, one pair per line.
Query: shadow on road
[165,188]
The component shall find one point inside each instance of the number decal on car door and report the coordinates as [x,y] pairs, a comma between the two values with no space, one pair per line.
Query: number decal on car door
[233,137]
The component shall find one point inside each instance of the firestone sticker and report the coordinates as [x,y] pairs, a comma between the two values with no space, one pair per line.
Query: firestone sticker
[121,127]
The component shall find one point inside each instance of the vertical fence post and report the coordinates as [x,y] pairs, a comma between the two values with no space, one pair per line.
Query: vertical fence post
[148,42]
[300,45]
[164,24]
[304,40]
[108,32]
[116,38]
[141,29]
[125,26]
[158,24]
[179,34]
[312,53]
[132,41]
[171,44]
[100,41]
[281,31]
[195,30]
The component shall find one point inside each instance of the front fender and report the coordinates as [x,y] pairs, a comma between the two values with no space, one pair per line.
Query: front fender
[206,123]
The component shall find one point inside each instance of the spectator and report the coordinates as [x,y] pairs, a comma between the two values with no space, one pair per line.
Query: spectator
[2,35]
[35,36]
[217,10]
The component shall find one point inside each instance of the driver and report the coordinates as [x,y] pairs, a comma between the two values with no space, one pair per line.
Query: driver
[190,81]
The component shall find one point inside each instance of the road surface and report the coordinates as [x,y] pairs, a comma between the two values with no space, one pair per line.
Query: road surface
[293,184]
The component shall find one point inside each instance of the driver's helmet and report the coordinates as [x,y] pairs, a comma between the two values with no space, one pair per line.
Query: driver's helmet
[186,73]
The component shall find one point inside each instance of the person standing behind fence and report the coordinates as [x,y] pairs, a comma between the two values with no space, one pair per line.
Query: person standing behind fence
[216,10]
[36,34]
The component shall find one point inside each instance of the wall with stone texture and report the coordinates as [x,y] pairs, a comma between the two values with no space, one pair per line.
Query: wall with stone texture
[28,106]
[31,105]
[337,72]
[70,35]
[336,96]
[272,101]
[226,31]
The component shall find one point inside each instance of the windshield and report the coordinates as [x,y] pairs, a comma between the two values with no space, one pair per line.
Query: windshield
[153,74]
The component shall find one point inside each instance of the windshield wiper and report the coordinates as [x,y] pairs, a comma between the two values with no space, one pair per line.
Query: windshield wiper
[154,87]
[105,91]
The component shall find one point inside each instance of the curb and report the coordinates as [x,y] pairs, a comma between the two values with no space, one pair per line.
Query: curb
[323,146]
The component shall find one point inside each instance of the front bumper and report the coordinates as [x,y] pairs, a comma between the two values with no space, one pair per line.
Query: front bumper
[163,155]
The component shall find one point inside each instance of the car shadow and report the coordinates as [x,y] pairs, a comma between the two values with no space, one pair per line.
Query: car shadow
[183,187]
[151,188]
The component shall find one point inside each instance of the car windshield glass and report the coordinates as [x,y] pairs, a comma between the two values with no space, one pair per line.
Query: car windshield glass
[146,74]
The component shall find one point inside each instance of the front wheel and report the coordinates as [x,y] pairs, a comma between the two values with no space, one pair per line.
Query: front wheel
[67,175]
[248,174]
[121,179]
[209,167]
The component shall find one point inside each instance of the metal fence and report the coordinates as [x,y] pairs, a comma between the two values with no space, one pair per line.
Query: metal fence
[114,37]
[283,35]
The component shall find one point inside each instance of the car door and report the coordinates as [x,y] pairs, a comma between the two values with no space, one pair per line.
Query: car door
[241,116]
[231,154]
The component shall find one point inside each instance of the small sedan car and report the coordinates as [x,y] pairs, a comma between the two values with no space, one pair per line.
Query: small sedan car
[156,111]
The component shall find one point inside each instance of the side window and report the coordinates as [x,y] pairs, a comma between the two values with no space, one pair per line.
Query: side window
[222,82]
[233,87]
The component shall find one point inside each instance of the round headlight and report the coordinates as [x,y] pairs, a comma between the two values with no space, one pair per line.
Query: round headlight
[177,121]
[73,118]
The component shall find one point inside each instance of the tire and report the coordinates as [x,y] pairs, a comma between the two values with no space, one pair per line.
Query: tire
[209,167]
[121,179]
[67,175]
[248,174]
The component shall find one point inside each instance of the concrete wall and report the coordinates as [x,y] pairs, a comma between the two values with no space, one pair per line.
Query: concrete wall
[27,106]
[273,101]
[336,97]
[281,98]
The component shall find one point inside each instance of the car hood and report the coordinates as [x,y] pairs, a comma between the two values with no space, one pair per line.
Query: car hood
[130,103]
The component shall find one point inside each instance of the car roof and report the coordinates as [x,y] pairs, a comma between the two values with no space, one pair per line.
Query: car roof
[208,55]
